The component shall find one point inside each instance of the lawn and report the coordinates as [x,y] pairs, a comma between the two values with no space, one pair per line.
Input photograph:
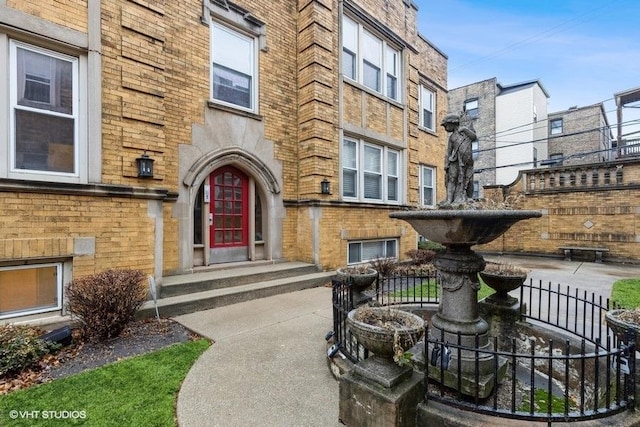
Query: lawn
[626,293]
[429,288]
[140,391]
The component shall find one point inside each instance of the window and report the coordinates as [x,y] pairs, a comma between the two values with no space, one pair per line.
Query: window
[427,186]
[370,250]
[427,108]
[30,289]
[370,172]
[475,147]
[476,189]
[556,159]
[233,70]
[471,108]
[555,126]
[44,103]
[370,60]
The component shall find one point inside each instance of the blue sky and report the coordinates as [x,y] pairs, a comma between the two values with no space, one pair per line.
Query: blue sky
[583,51]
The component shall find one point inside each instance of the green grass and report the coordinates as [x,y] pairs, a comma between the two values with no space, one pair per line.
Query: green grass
[140,391]
[626,293]
[430,288]
[541,402]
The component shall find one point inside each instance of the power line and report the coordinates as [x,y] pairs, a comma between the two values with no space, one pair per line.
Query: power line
[584,131]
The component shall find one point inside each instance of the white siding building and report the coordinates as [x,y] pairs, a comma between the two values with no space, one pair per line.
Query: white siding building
[521,129]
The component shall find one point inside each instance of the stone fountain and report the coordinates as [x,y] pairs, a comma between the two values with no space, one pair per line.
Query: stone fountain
[458,224]
[374,393]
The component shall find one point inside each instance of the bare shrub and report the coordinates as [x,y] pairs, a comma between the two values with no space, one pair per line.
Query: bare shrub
[421,256]
[106,302]
[384,266]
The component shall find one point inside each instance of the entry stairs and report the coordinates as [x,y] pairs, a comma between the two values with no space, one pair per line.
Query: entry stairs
[227,284]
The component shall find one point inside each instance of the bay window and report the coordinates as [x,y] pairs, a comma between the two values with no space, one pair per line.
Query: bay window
[427,186]
[427,108]
[370,172]
[370,60]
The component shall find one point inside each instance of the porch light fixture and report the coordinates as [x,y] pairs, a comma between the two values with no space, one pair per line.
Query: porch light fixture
[145,166]
[325,186]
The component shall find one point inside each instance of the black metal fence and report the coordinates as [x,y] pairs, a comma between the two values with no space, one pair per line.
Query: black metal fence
[583,372]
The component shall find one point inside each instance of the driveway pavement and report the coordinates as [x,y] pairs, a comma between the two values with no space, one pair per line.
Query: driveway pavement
[268,365]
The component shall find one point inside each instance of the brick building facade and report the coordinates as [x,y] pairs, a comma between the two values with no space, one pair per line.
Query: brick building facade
[246,108]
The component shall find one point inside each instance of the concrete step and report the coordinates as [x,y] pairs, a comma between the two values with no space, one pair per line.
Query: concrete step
[232,275]
[204,300]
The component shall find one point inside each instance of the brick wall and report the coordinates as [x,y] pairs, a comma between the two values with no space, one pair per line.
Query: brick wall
[593,213]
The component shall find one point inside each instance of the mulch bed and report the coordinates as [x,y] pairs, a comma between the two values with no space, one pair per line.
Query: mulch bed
[139,337]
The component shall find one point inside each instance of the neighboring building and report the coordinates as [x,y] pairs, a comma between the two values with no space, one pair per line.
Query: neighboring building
[248,110]
[510,122]
[627,143]
[579,135]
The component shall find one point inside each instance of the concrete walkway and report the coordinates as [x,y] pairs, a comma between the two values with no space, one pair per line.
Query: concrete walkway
[268,365]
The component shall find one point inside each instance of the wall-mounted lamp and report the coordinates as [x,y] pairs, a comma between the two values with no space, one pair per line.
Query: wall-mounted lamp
[145,166]
[325,186]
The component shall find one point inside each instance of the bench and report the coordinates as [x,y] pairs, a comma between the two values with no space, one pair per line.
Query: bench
[569,249]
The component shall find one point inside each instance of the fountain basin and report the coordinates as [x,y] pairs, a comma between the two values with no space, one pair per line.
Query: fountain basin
[463,227]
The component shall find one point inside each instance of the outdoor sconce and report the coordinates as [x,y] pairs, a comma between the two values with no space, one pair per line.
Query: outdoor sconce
[325,186]
[145,166]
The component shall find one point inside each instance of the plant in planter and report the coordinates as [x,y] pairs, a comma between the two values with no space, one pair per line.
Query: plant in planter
[623,320]
[360,277]
[503,278]
[384,331]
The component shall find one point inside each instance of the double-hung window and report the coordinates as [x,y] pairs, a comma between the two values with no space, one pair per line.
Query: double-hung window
[370,60]
[471,108]
[44,114]
[556,126]
[427,108]
[370,172]
[233,70]
[427,186]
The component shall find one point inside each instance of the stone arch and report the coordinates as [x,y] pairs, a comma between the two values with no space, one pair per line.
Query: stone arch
[266,185]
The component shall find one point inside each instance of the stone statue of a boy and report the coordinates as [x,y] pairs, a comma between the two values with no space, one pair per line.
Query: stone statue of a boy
[458,161]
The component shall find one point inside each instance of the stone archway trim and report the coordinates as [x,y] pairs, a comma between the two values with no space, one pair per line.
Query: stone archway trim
[232,156]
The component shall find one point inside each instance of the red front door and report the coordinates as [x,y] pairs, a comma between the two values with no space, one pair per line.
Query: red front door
[229,228]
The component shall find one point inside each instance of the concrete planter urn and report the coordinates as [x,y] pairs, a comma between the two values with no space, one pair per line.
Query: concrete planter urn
[384,331]
[503,278]
[360,278]
[621,320]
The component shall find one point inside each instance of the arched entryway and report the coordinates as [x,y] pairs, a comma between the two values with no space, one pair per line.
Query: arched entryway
[229,224]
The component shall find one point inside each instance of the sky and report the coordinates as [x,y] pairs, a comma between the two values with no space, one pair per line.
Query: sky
[582,51]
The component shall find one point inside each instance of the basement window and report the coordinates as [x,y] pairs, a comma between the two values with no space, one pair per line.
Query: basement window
[30,289]
[370,250]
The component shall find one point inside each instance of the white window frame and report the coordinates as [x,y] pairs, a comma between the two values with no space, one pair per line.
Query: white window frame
[8,51]
[471,108]
[424,185]
[556,130]
[387,59]
[427,103]
[384,171]
[360,243]
[254,48]
[37,310]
